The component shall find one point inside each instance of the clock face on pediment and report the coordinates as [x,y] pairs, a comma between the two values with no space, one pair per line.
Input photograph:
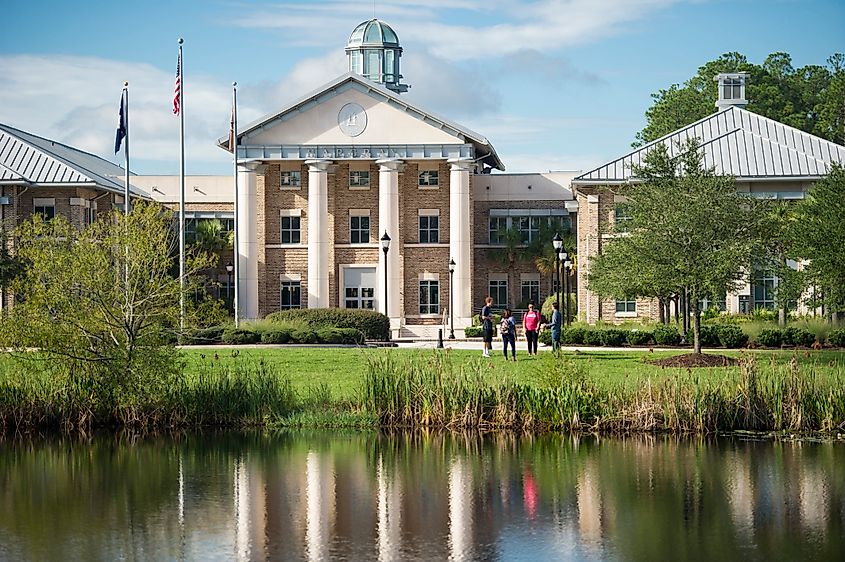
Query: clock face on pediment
[352,119]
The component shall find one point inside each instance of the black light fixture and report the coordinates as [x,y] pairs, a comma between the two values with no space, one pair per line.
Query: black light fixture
[567,267]
[230,267]
[451,299]
[385,246]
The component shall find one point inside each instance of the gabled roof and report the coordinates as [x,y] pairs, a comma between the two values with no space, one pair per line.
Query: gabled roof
[28,159]
[738,143]
[378,92]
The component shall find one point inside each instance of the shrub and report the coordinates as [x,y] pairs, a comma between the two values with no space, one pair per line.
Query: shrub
[303,336]
[214,334]
[666,335]
[731,336]
[339,335]
[351,336]
[278,335]
[797,336]
[710,313]
[239,336]
[770,337]
[574,335]
[592,337]
[472,332]
[709,336]
[639,337]
[613,337]
[476,320]
[836,338]
[374,325]
[545,337]
[763,314]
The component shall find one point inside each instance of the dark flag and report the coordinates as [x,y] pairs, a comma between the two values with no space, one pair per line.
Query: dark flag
[121,126]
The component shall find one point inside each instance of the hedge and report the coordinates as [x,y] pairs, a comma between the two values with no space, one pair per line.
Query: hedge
[798,336]
[770,337]
[666,335]
[374,325]
[472,332]
[238,336]
[574,335]
[709,336]
[592,337]
[731,336]
[545,337]
[213,334]
[613,337]
[836,338]
[639,337]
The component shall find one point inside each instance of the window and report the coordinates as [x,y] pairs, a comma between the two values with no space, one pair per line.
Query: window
[290,179]
[429,178]
[529,227]
[497,225]
[732,89]
[429,296]
[429,229]
[47,212]
[290,230]
[359,287]
[227,292]
[498,289]
[626,307]
[291,292]
[190,230]
[531,292]
[719,302]
[359,229]
[622,217]
[359,179]
[764,290]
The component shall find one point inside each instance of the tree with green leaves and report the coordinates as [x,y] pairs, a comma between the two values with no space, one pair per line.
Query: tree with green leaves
[101,302]
[810,98]
[703,246]
[818,232]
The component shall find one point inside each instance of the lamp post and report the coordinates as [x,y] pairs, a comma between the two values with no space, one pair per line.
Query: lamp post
[567,267]
[557,242]
[230,267]
[451,299]
[385,246]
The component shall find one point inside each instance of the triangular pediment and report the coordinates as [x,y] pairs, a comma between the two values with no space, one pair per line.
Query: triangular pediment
[353,111]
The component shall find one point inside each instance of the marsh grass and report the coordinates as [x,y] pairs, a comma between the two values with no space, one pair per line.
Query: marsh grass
[431,391]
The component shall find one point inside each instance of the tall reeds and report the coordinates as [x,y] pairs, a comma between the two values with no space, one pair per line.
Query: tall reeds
[430,391]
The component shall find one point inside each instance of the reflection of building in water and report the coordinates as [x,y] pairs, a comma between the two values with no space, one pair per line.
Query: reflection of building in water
[389,513]
[589,503]
[739,488]
[813,499]
[460,510]
[320,499]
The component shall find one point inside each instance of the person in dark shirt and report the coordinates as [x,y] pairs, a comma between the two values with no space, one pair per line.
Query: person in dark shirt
[487,325]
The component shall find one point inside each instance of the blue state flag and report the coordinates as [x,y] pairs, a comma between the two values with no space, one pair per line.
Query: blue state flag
[121,126]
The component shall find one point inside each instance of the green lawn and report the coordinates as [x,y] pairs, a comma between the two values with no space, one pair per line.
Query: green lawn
[342,370]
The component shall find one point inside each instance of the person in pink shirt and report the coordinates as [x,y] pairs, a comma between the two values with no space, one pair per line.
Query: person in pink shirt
[531,323]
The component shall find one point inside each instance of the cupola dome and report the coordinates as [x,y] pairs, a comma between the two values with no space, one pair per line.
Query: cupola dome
[374,51]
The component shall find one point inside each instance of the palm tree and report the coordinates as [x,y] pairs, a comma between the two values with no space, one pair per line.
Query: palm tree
[511,251]
[210,236]
[546,261]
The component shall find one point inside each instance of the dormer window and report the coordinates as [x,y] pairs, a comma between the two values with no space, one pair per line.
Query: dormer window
[731,90]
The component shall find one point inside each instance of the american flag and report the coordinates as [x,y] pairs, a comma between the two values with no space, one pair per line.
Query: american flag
[178,88]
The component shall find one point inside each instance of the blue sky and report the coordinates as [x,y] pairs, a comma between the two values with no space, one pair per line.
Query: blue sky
[553,84]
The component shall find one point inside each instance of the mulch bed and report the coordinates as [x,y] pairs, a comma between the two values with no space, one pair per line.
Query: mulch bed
[695,360]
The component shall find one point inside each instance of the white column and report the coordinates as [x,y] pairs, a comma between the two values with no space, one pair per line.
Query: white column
[318,233]
[247,240]
[388,221]
[460,238]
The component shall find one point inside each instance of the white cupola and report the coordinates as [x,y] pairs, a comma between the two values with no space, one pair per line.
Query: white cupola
[731,90]
[373,51]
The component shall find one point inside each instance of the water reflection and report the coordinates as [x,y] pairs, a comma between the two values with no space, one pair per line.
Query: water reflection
[321,496]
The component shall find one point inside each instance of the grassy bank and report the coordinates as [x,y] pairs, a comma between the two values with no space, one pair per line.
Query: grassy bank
[601,391]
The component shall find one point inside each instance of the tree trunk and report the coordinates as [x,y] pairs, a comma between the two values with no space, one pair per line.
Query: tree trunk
[661,303]
[677,309]
[696,315]
[684,315]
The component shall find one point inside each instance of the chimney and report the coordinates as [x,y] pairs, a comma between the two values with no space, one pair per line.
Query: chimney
[731,90]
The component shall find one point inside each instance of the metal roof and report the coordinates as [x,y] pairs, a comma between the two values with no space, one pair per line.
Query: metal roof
[32,160]
[738,143]
[379,92]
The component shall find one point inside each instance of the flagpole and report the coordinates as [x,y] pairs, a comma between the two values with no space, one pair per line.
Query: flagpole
[237,256]
[126,151]
[181,191]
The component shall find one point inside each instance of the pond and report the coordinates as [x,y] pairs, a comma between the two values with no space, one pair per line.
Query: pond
[418,496]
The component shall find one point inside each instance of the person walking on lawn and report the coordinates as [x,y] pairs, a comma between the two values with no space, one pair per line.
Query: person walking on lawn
[531,323]
[508,330]
[487,326]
